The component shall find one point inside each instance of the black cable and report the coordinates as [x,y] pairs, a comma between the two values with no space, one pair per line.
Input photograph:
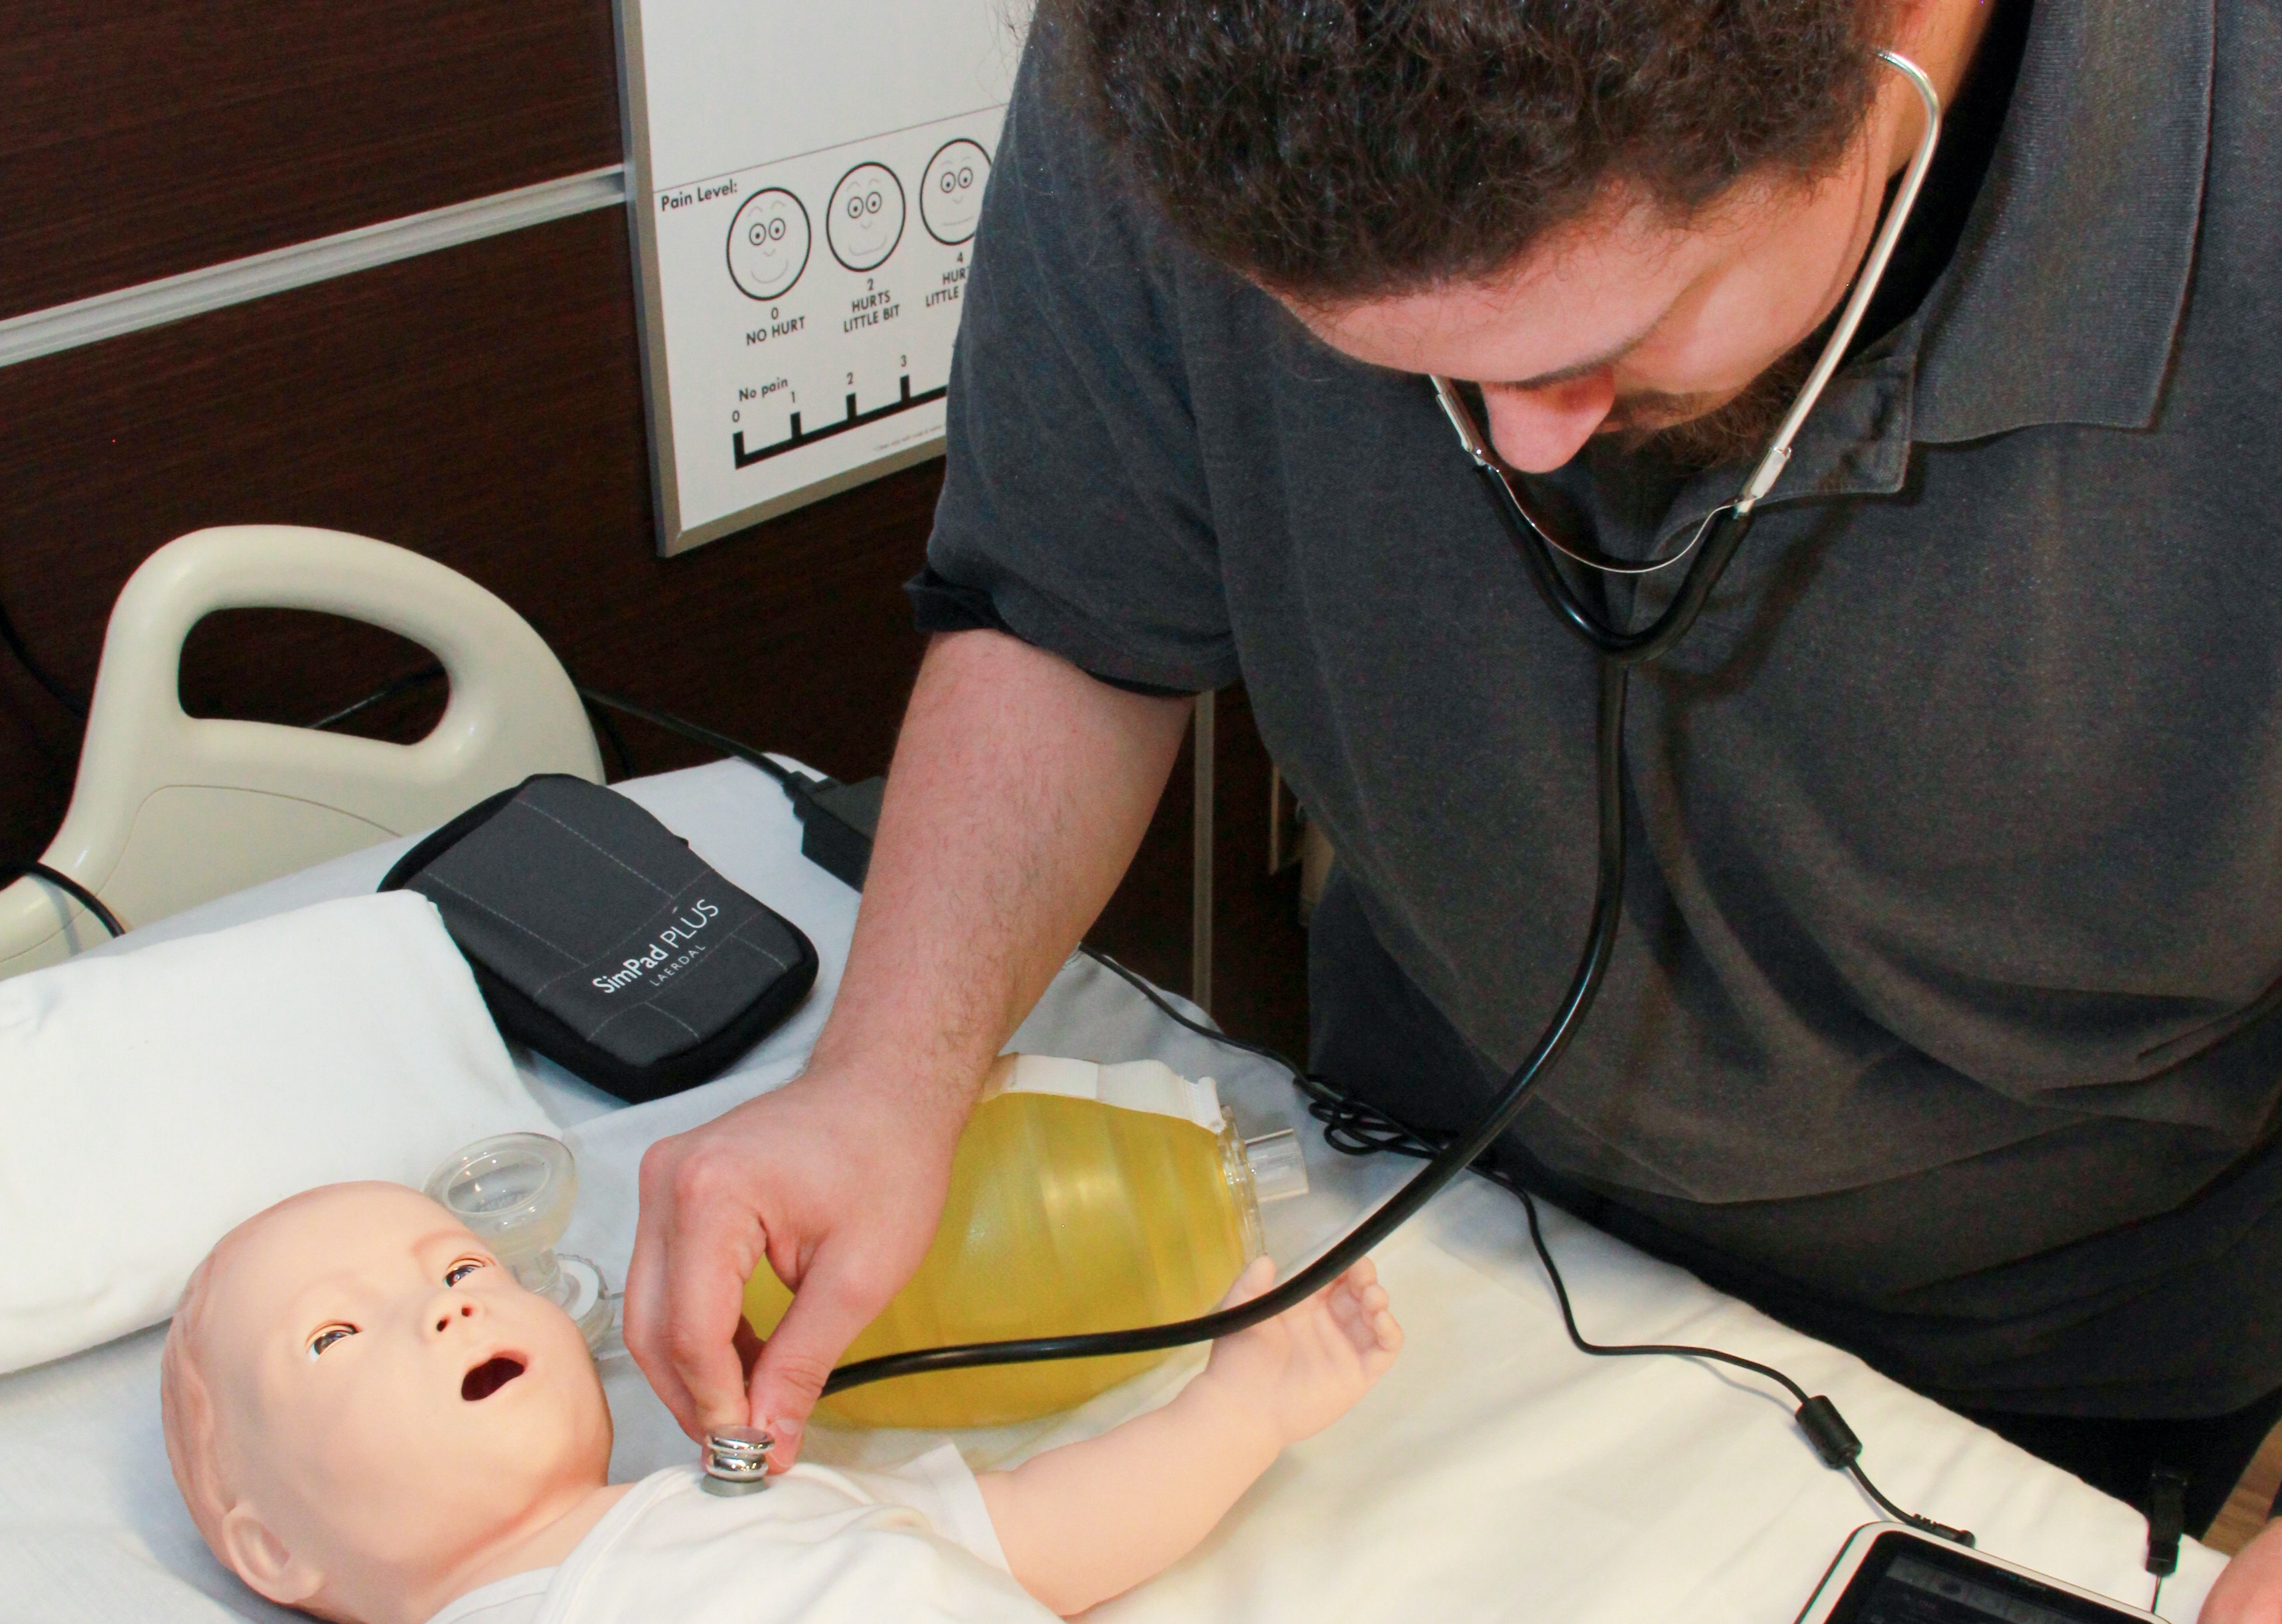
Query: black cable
[1356,1130]
[1352,1129]
[382,695]
[1826,1432]
[598,707]
[607,726]
[10,872]
[1165,1007]
[1444,1166]
[794,783]
[39,673]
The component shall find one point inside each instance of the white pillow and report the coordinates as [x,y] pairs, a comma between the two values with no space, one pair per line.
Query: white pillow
[150,1101]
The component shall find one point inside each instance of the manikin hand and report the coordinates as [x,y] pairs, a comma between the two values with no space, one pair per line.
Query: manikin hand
[2250,1591]
[838,1184]
[1304,1369]
[1086,1521]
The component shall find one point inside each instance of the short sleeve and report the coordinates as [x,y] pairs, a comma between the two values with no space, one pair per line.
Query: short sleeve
[1075,499]
[939,1488]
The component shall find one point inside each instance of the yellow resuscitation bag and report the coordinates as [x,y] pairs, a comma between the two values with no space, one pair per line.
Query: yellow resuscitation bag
[1083,1198]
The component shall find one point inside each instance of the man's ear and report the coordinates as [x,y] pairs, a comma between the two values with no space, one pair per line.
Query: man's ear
[257,1555]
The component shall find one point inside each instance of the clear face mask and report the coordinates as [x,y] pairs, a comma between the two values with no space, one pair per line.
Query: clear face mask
[515,1193]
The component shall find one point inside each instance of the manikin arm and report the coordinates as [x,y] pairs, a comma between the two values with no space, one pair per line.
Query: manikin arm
[1090,1521]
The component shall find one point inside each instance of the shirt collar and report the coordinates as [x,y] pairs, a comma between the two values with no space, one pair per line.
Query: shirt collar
[2066,293]
[2067,288]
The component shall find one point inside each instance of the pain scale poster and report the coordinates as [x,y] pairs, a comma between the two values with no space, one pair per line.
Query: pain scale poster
[805,182]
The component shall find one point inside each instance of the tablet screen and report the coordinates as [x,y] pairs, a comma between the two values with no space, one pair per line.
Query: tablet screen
[1904,1580]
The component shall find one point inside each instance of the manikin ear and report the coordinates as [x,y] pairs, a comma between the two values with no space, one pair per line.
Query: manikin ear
[257,1555]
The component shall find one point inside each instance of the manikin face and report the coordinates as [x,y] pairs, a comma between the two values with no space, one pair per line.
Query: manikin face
[1625,321]
[391,1404]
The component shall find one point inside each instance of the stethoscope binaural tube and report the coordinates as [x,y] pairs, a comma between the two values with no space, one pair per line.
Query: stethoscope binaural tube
[1714,544]
[1713,547]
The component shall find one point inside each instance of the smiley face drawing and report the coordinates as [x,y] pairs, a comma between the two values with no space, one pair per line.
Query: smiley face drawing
[950,197]
[866,221]
[768,244]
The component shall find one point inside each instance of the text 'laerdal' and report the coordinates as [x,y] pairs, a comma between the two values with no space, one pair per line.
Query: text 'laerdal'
[683,930]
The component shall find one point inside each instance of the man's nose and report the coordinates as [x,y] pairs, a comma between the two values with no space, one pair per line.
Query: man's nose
[1537,431]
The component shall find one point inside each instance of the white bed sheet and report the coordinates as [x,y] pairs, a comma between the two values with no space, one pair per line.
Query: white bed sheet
[1496,1474]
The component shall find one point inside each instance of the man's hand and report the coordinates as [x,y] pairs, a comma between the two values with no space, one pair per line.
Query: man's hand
[2250,1591]
[1019,789]
[836,1182]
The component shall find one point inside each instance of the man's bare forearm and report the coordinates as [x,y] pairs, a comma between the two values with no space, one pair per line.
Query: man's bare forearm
[1019,790]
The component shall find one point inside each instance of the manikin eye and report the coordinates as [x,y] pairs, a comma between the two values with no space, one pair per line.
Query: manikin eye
[461,1269]
[327,1337]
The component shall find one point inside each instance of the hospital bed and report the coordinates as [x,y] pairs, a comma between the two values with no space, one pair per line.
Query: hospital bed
[169,810]
[1494,1473]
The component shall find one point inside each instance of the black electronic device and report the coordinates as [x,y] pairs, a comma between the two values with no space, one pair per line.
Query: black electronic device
[598,937]
[1891,1575]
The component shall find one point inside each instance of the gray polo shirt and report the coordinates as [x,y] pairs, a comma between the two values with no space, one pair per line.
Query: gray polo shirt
[1956,899]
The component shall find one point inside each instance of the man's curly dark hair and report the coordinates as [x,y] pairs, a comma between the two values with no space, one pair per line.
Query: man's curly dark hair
[1339,150]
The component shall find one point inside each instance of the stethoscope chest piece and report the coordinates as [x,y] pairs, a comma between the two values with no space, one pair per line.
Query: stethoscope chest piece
[736,1460]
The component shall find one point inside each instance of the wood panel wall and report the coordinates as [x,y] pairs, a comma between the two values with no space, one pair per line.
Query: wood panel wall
[481,405]
[139,141]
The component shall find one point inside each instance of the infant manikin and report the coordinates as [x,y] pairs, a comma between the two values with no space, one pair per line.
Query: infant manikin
[371,1420]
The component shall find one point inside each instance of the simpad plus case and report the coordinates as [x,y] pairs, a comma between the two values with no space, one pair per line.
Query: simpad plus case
[600,939]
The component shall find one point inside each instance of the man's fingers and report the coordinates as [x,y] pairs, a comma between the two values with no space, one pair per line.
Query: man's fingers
[707,1240]
[748,1344]
[705,1304]
[645,1313]
[828,1310]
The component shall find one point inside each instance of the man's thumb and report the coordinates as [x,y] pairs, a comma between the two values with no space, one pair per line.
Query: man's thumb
[824,1317]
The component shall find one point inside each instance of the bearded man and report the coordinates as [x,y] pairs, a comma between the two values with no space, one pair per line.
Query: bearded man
[1941,1020]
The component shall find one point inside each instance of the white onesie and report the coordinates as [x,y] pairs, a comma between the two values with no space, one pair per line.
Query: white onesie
[819,1546]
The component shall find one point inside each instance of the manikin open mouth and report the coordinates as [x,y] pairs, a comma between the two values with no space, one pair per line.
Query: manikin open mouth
[489,1377]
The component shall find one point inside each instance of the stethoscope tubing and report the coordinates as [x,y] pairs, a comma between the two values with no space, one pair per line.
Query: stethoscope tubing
[1423,1186]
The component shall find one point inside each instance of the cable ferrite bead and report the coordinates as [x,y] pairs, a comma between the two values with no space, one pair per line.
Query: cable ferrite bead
[2167,1520]
[1826,1430]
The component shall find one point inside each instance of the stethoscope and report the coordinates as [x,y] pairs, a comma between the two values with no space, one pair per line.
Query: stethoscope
[1707,554]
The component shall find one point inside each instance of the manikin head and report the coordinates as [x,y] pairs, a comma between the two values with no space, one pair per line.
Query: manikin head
[1617,216]
[360,1404]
